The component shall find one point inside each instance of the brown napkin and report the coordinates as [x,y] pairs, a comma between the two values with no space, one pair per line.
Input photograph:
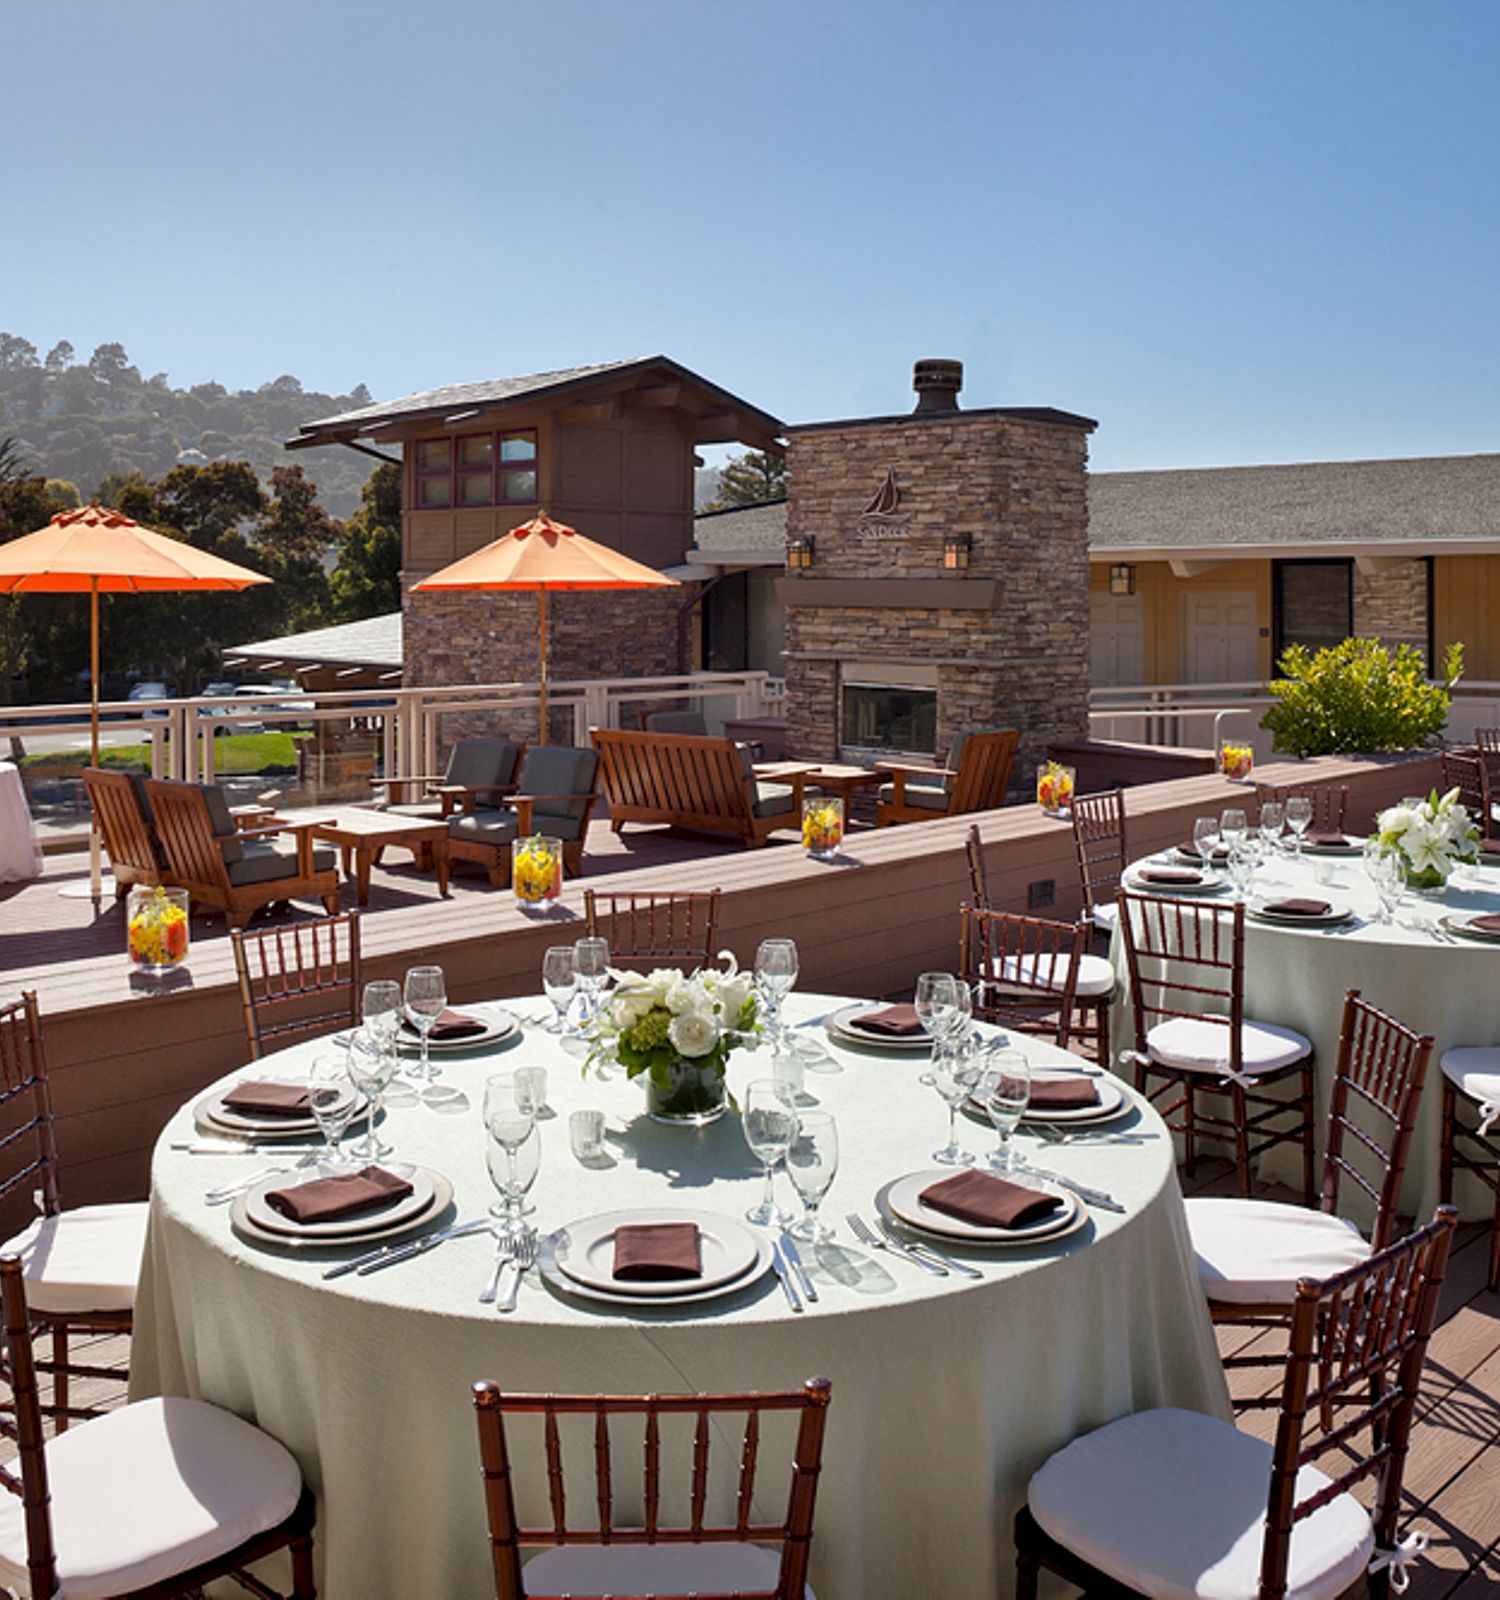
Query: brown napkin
[1486,924]
[1490,847]
[328,1199]
[658,1252]
[450,1025]
[1325,836]
[987,1201]
[1183,875]
[1062,1094]
[896,1021]
[269,1099]
[1220,852]
[1298,908]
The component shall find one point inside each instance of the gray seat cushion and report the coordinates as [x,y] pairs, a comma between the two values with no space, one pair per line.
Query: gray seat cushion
[550,771]
[929,796]
[223,826]
[688,722]
[771,799]
[476,762]
[485,825]
[264,863]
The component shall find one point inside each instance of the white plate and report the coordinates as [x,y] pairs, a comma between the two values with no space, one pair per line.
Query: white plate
[900,1199]
[1331,918]
[1209,886]
[498,1024]
[1350,847]
[838,1024]
[585,1251]
[1111,1102]
[1460,926]
[213,1114]
[380,1231]
[695,1294]
[264,1215]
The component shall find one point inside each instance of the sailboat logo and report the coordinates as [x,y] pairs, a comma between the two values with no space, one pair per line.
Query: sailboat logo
[880,519]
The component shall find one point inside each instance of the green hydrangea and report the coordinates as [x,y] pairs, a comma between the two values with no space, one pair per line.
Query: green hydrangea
[650,1033]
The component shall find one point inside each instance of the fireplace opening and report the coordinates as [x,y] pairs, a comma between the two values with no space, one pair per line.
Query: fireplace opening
[881,719]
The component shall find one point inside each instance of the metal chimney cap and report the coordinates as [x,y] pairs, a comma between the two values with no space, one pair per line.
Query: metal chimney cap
[937,383]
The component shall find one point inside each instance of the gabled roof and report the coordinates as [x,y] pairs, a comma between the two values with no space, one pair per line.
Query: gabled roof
[371,642]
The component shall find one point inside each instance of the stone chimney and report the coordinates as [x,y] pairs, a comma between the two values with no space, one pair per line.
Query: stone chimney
[937,384]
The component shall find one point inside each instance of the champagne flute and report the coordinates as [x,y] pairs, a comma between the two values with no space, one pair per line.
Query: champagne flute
[509,1120]
[770,1122]
[426,1000]
[1007,1091]
[591,960]
[371,1066]
[812,1163]
[1298,818]
[954,1074]
[775,977]
[331,1100]
[559,983]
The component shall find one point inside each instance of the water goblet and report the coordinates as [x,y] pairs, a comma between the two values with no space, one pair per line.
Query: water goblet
[331,1100]
[380,1008]
[1007,1091]
[591,960]
[812,1163]
[1241,867]
[559,983]
[1270,823]
[940,1000]
[426,995]
[770,1122]
[1299,814]
[512,1169]
[775,976]
[1232,825]
[509,1120]
[371,1066]
[954,1074]
[1205,837]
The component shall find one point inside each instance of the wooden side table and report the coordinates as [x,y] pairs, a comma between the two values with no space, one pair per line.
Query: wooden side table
[362,835]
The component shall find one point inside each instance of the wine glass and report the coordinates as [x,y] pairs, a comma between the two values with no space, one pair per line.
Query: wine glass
[1232,824]
[812,1164]
[775,978]
[331,1100]
[770,1122]
[1205,837]
[512,1170]
[509,1121]
[1299,813]
[954,1074]
[591,961]
[380,1008]
[1270,823]
[426,997]
[559,983]
[1388,874]
[1241,867]
[1007,1091]
[942,1003]
[371,1066]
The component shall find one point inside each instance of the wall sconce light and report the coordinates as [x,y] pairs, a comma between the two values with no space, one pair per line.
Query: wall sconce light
[799,554]
[957,548]
[1122,579]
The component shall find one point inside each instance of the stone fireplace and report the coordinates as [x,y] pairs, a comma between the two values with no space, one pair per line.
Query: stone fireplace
[937,578]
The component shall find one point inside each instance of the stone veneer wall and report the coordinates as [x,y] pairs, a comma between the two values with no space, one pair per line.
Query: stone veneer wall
[1018,487]
[1391,605]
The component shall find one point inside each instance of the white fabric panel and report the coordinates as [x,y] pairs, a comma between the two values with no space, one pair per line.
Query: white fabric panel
[1252,1252]
[20,855]
[653,1569]
[1173,1503]
[83,1260]
[1193,1045]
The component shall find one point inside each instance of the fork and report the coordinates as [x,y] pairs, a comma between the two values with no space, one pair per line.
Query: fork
[523,1253]
[861,1232]
[505,1250]
[1050,1135]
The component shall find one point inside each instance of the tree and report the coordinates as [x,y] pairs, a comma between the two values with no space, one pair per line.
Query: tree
[110,365]
[26,504]
[749,479]
[59,357]
[367,580]
[16,354]
[291,540]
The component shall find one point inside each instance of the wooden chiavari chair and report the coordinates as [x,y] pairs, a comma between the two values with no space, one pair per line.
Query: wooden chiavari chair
[654,930]
[81,1265]
[1186,961]
[152,1499]
[979,878]
[1099,837]
[1467,774]
[1162,1501]
[304,978]
[1035,976]
[1471,1081]
[1330,802]
[1251,1254]
[729,1560]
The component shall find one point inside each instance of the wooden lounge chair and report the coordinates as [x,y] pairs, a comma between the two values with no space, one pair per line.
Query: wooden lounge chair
[706,785]
[975,779]
[236,871]
[480,772]
[555,796]
[123,813]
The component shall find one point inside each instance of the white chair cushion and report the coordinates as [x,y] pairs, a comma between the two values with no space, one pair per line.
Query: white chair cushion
[1174,1504]
[654,1569]
[1474,1072]
[149,1491]
[1252,1252]
[82,1260]
[1192,1044]
[1095,975]
[1107,916]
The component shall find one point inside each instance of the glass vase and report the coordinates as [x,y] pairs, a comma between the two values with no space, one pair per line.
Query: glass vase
[822,826]
[1054,788]
[1236,762]
[536,869]
[156,922]
[694,1096]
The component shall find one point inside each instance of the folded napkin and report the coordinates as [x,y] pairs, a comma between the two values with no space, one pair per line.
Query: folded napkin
[1062,1094]
[1325,836]
[1220,851]
[658,1252]
[450,1025]
[1298,908]
[1490,847]
[269,1099]
[328,1199]
[1183,875]
[897,1021]
[987,1201]
[1486,924]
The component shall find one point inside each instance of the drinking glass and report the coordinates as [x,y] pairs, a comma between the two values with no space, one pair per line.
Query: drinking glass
[954,1074]
[586,1135]
[1006,1091]
[591,961]
[775,977]
[380,1007]
[1232,826]
[1388,875]
[371,1066]
[534,1088]
[509,1121]
[1205,837]
[513,1169]
[812,1164]
[1241,867]
[770,1122]
[1270,823]
[944,1007]
[426,1000]
[1298,818]
[331,1101]
[559,983]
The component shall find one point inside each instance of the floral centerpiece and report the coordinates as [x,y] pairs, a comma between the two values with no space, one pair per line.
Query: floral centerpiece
[1054,787]
[676,1031]
[536,869]
[157,928]
[1236,762]
[1431,836]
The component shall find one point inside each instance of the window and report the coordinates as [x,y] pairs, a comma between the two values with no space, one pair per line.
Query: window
[1312,603]
[477,469]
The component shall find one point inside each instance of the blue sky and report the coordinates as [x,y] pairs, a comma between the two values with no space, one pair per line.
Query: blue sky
[1264,230]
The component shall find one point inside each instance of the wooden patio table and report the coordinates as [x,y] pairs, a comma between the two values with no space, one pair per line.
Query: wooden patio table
[831,777]
[363,834]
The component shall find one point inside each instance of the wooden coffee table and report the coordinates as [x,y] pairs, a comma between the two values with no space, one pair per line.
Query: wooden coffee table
[362,835]
[829,776]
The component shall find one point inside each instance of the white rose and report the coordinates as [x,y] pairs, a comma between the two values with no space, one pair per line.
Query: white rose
[693,1033]
[733,992]
[684,995]
[1396,820]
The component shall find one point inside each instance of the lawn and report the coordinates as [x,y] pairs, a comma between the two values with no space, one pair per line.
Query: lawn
[233,753]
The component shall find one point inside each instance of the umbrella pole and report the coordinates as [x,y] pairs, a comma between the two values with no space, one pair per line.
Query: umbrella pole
[541,602]
[96,882]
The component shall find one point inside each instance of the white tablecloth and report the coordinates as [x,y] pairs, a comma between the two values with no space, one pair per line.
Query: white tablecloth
[20,855]
[947,1393]
[1411,968]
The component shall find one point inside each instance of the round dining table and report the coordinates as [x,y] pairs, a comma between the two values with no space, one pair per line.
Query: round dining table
[1418,966]
[948,1392]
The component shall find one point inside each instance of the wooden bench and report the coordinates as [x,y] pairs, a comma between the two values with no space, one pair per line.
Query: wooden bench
[701,784]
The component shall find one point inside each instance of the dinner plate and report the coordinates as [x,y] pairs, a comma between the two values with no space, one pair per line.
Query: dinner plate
[381,1231]
[1331,918]
[498,1023]
[899,1199]
[215,1117]
[1112,1102]
[838,1023]
[264,1215]
[695,1294]
[1209,885]
[1350,847]
[585,1250]
[1460,926]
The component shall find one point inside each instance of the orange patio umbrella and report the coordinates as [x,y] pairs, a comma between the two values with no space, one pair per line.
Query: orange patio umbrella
[543,555]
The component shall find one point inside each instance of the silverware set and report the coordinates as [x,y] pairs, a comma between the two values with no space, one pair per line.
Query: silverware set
[388,1255]
[513,1254]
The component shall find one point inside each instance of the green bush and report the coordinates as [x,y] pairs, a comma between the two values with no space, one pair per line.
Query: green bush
[1359,696]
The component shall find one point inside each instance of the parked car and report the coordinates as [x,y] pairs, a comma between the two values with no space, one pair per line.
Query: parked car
[150,689]
[265,695]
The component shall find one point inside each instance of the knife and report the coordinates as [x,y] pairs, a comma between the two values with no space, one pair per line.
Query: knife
[778,1261]
[374,1259]
[1093,1197]
[794,1257]
[235,1147]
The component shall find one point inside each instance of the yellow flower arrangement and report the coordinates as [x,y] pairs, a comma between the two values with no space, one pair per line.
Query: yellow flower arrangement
[822,825]
[1236,761]
[158,928]
[1054,786]
[536,869]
